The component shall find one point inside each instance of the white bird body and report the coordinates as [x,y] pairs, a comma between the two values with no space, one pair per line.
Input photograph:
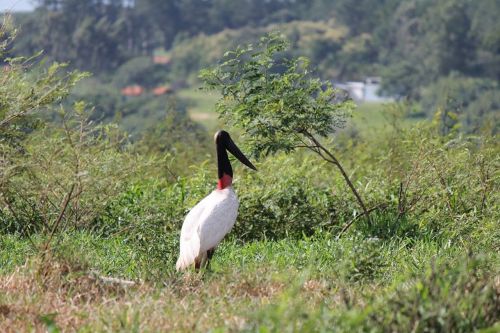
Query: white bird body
[212,218]
[206,225]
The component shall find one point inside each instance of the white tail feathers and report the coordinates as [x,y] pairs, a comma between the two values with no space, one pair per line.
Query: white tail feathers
[183,262]
[189,250]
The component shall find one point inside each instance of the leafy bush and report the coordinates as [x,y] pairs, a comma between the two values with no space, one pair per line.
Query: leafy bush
[445,297]
[284,199]
[421,185]
[104,98]
[65,175]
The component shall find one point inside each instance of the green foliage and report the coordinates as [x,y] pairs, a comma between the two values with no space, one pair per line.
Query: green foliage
[104,98]
[159,120]
[141,71]
[321,41]
[283,200]
[423,186]
[103,35]
[65,176]
[26,169]
[149,215]
[277,102]
[474,102]
[410,44]
[274,100]
[428,40]
[170,136]
[428,262]
[27,91]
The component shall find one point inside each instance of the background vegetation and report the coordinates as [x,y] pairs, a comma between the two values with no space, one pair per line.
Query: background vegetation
[95,183]
[420,49]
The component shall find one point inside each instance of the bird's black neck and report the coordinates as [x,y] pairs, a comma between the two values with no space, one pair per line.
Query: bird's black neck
[225,171]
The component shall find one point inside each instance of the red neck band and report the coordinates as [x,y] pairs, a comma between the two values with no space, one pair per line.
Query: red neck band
[224,182]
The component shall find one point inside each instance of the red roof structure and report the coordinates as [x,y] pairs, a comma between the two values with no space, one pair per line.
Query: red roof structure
[162,90]
[134,90]
[161,59]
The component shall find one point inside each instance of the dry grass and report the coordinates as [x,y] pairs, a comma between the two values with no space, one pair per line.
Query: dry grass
[52,289]
[55,292]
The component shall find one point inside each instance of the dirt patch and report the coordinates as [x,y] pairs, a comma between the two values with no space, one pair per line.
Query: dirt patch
[258,290]
[4,310]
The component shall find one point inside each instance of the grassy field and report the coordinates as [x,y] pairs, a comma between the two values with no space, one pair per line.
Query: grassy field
[315,284]
[390,223]
[427,262]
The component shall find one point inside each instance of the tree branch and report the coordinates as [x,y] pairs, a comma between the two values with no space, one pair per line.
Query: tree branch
[348,224]
[332,159]
[60,217]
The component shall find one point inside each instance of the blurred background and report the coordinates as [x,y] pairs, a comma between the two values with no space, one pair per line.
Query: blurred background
[145,55]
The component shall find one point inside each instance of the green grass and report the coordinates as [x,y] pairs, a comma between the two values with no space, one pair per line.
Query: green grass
[369,115]
[321,255]
[307,285]
[371,119]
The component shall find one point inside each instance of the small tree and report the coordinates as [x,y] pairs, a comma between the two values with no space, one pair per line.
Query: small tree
[277,102]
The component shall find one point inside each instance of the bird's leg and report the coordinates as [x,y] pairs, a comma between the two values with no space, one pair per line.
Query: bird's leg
[203,260]
[200,261]
[210,254]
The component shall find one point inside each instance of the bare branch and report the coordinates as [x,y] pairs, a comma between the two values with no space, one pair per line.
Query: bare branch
[60,217]
[332,159]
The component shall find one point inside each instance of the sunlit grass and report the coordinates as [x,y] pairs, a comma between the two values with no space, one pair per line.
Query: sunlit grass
[301,284]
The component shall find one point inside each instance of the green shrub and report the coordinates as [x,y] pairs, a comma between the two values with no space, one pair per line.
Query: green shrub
[281,200]
[422,186]
[474,102]
[452,296]
[66,175]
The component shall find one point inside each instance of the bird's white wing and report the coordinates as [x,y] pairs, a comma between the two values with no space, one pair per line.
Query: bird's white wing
[217,221]
[189,240]
[206,224]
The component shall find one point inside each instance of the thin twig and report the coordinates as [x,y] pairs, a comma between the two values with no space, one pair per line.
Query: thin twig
[332,159]
[348,224]
[60,217]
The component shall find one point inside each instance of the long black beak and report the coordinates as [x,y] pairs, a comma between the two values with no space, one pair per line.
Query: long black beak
[233,149]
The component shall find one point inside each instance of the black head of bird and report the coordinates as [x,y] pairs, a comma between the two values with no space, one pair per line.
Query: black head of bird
[224,143]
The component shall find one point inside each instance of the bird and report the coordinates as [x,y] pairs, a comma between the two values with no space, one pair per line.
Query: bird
[213,217]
